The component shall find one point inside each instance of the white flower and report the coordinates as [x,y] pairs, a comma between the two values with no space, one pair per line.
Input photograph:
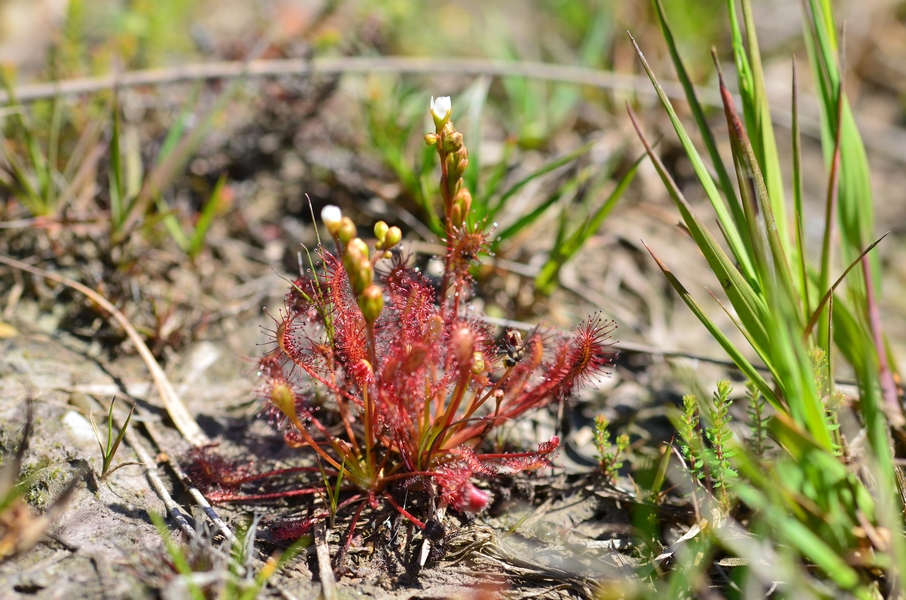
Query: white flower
[441,107]
[331,215]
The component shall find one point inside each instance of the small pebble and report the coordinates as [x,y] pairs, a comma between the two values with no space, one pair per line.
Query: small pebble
[78,426]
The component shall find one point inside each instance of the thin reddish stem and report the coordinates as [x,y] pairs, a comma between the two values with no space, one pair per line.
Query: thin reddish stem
[314,445]
[288,471]
[273,495]
[403,511]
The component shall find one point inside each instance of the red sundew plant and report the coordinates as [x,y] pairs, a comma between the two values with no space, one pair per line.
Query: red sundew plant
[416,379]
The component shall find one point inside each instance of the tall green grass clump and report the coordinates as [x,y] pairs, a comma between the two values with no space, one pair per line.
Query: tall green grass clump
[823,515]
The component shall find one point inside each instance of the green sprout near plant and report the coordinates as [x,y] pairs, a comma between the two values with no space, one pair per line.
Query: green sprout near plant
[108,449]
[756,409]
[691,447]
[609,460]
[333,492]
[706,447]
[719,436]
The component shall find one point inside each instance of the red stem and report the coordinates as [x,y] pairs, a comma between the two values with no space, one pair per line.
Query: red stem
[274,495]
[403,511]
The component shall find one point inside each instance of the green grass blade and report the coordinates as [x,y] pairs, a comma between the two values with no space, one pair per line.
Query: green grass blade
[118,198]
[167,170]
[113,447]
[830,213]
[171,222]
[178,128]
[475,98]
[38,196]
[561,253]
[766,148]
[735,355]
[816,314]
[855,206]
[109,430]
[756,202]
[176,555]
[53,150]
[495,179]
[797,198]
[206,218]
[544,170]
[526,220]
[21,185]
[726,184]
[728,226]
[749,305]
[803,539]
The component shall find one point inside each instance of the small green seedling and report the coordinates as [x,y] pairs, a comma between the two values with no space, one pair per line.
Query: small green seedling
[333,493]
[108,451]
[609,460]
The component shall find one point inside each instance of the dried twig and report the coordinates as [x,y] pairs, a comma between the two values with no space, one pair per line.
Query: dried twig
[184,421]
[196,494]
[154,478]
[325,570]
[356,64]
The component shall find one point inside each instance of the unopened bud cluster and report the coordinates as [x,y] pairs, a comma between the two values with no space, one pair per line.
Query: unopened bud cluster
[357,262]
[454,158]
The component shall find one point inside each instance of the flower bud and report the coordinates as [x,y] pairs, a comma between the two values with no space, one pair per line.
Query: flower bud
[477,363]
[430,138]
[456,216]
[464,200]
[380,231]
[346,230]
[452,142]
[358,248]
[471,499]
[463,343]
[371,302]
[364,275]
[393,237]
[331,216]
[283,397]
[459,167]
[440,110]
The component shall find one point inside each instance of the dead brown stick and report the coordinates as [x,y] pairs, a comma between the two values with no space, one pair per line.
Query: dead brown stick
[181,417]
[354,64]
[325,570]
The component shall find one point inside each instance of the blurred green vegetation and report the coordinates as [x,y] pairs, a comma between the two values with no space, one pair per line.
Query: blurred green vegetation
[99,35]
